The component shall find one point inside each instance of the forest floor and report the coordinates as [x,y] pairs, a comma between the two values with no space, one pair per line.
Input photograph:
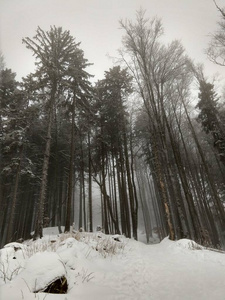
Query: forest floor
[104,267]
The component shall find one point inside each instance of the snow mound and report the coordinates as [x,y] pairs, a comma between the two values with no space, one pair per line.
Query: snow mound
[42,269]
[15,245]
[12,261]
[188,244]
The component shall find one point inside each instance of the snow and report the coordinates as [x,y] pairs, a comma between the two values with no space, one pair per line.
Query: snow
[42,269]
[104,267]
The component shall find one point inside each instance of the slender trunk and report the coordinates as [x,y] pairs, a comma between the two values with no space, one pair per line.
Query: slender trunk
[162,189]
[71,173]
[145,210]
[84,200]
[133,203]
[90,185]
[115,194]
[133,177]
[83,183]
[193,213]
[14,200]
[40,215]
[122,211]
[81,203]
[125,202]
[217,200]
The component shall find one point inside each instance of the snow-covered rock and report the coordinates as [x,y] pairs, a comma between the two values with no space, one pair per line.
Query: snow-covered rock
[42,269]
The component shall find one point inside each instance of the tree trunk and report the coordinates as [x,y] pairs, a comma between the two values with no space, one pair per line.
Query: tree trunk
[90,185]
[14,200]
[71,173]
[217,200]
[40,215]
[133,203]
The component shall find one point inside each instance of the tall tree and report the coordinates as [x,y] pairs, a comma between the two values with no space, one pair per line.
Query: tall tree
[16,119]
[53,50]
[155,68]
[79,91]
[209,117]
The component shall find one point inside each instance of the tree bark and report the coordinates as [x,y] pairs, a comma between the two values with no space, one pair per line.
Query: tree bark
[40,215]
[71,172]
[14,200]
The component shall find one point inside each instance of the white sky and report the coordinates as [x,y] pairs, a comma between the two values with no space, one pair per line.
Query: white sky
[95,24]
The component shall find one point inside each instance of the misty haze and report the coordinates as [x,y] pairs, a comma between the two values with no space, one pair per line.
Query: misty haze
[112,149]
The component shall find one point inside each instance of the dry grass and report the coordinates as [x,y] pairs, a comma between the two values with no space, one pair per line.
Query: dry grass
[104,244]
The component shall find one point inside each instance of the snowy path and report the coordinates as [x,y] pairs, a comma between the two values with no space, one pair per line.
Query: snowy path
[164,271]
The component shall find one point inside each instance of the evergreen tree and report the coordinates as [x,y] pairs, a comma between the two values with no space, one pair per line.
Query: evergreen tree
[54,51]
[209,117]
[16,119]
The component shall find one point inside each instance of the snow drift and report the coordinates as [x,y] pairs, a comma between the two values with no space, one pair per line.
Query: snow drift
[99,266]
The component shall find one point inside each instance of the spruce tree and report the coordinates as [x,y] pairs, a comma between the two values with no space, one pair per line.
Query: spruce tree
[54,51]
[209,117]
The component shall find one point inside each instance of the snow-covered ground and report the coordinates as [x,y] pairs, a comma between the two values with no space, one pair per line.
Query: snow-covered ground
[103,267]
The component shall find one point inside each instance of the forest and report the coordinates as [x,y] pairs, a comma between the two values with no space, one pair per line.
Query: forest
[152,147]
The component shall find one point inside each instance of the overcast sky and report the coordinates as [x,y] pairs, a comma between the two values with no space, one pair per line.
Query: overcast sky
[95,24]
